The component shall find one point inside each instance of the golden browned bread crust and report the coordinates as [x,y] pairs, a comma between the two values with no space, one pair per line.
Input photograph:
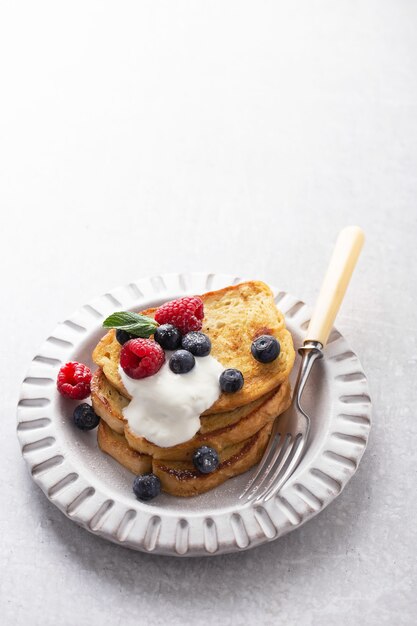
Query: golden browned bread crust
[180,478]
[107,402]
[233,318]
[116,446]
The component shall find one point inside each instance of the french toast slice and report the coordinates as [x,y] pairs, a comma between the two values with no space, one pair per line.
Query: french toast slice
[180,478]
[108,402]
[233,318]
[217,430]
[116,446]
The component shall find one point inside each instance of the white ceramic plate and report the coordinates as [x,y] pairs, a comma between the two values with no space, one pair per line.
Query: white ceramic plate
[96,492]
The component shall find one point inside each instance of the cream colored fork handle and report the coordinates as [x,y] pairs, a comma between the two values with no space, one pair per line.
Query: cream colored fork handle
[345,255]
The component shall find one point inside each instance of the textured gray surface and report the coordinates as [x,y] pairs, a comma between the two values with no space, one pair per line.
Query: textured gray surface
[231,137]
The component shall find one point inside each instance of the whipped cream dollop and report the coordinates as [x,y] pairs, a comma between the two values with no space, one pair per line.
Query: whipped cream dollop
[165,408]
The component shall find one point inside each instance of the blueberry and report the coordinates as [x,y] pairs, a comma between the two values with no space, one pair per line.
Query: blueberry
[84,417]
[181,362]
[196,343]
[122,336]
[265,348]
[205,459]
[231,380]
[146,487]
[168,337]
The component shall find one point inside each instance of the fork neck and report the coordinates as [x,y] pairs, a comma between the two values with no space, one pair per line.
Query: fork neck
[310,352]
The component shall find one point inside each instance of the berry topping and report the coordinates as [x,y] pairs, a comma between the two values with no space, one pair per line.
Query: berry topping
[73,381]
[146,487]
[231,380]
[206,459]
[140,358]
[84,417]
[185,313]
[196,343]
[181,362]
[123,336]
[168,337]
[265,348]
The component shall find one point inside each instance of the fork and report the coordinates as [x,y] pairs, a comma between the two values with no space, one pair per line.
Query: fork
[289,435]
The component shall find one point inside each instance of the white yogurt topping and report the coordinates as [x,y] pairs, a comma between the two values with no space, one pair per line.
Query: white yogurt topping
[165,408]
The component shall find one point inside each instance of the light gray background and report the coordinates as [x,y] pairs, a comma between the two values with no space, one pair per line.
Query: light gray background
[142,137]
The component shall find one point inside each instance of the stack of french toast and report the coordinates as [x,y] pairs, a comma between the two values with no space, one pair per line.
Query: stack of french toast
[237,425]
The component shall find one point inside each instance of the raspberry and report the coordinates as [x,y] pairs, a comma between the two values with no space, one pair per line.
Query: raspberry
[73,380]
[140,358]
[186,314]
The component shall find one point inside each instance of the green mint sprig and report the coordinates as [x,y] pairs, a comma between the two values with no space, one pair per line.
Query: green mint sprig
[133,323]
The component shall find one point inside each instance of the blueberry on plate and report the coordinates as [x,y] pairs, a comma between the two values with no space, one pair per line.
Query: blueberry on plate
[265,348]
[122,336]
[146,487]
[181,362]
[168,337]
[205,459]
[197,343]
[84,417]
[231,380]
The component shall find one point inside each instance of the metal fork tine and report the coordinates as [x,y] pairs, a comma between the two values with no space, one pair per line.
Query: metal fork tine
[264,465]
[265,461]
[279,454]
[270,477]
[285,469]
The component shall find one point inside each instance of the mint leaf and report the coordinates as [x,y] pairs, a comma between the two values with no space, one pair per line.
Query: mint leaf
[134,323]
